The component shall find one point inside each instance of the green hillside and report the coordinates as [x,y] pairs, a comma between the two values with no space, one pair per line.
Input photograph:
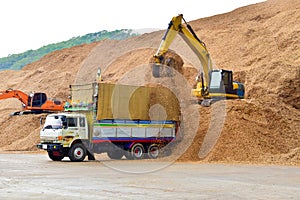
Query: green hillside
[18,61]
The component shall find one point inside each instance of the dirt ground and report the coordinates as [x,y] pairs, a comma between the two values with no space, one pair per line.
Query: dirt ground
[112,179]
[260,43]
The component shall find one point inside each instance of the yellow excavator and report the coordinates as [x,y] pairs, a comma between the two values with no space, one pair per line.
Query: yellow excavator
[212,84]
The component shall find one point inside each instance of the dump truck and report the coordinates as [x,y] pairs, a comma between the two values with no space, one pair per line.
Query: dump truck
[120,120]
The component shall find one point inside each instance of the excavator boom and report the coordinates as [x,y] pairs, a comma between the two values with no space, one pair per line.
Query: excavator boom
[188,35]
[10,93]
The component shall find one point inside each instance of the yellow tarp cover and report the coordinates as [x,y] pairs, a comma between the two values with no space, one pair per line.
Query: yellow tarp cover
[136,102]
[82,93]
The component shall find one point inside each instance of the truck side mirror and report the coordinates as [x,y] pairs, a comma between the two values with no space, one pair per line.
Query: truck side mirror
[41,121]
[64,124]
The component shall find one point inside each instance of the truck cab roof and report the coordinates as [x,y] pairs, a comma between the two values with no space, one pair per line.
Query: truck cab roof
[67,114]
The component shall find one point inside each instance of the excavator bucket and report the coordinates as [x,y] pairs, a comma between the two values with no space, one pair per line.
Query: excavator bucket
[162,71]
[169,62]
[155,70]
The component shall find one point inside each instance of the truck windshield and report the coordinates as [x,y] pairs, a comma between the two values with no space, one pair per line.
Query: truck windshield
[53,122]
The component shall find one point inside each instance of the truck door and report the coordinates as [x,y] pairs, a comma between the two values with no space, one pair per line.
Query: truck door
[72,124]
[82,128]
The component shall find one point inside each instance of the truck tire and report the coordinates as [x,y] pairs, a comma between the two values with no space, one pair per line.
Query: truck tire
[77,152]
[115,154]
[137,151]
[55,156]
[153,151]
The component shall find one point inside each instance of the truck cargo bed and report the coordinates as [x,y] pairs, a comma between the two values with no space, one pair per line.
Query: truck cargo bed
[133,130]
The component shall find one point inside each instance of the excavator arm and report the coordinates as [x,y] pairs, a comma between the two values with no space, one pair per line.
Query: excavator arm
[186,32]
[10,93]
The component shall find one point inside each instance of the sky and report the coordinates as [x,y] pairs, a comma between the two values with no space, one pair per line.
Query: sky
[31,24]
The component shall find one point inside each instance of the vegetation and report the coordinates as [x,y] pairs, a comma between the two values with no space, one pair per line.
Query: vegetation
[18,61]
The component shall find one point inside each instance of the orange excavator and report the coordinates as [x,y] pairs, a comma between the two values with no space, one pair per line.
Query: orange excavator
[34,103]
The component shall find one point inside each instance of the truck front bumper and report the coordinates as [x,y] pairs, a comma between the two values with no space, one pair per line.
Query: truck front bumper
[51,147]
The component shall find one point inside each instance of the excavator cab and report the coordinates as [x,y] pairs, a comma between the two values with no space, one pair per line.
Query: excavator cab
[37,99]
[220,81]
[223,86]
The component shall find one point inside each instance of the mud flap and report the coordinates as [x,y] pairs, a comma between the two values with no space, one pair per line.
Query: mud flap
[89,151]
[90,155]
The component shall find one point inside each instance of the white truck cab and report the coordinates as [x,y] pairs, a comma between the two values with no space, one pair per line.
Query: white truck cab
[60,132]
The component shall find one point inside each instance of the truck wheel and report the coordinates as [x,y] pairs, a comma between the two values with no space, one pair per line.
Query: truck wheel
[77,152]
[117,154]
[137,151]
[55,156]
[153,151]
